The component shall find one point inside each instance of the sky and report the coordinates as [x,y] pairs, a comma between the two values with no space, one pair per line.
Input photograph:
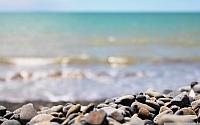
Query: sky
[101,5]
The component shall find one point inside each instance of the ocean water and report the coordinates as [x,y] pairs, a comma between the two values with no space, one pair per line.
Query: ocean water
[89,56]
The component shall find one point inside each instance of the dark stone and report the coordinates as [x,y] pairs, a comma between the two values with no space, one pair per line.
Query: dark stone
[165,99]
[57,114]
[174,108]
[126,100]
[8,115]
[181,100]
[154,105]
[2,110]
[141,98]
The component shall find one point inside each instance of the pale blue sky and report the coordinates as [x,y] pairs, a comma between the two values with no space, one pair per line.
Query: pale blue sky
[100,5]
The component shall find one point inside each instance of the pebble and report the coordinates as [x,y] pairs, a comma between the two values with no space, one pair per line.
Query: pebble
[141,98]
[153,93]
[74,109]
[117,116]
[2,110]
[126,100]
[27,112]
[95,118]
[89,108]
[185,111]
[181,100]
[11,122]
[139,105]
[175,119]
[149,108]
[41,118]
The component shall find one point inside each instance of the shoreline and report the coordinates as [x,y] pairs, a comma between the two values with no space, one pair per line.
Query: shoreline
[148,107]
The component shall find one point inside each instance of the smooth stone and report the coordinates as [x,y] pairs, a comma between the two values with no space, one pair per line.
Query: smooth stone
[182,100]
[66,108]
[128,111]
[161,103]
[141,98]
[185,89]
[197,97]
[27,112]
[2,119]
[195,105]
[165,99]
[110,110]
[153,93]
[113,105]
[47,123]
[112,121]
[74,109]
[152,104]
[44,110]
[11,122]
[185,111]
[175,119]
[89,108]
[143,113]
[166,91]
[138,105]
[126,100]
[117,116]
[127,119]
[102,105]
[41,118]
[57,108]
[70,117]
[196,87]
[135,120]
[111,100]
[2,110]
[95,118]
[164,108]
[77,120]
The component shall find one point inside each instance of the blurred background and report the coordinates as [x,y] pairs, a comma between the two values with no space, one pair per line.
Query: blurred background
[69,50]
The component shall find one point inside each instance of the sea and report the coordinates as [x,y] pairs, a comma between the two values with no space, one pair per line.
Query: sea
[56,56]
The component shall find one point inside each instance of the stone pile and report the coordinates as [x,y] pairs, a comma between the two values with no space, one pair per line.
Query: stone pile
[147,108]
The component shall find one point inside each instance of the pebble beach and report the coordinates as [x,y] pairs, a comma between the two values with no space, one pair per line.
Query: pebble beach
[181,106]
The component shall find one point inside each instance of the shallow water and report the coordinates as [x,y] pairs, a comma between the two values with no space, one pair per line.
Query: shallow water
[91,82]
[88,56]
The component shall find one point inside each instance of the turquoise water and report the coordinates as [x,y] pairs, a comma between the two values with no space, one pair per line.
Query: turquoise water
[94,33]
[68,56]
